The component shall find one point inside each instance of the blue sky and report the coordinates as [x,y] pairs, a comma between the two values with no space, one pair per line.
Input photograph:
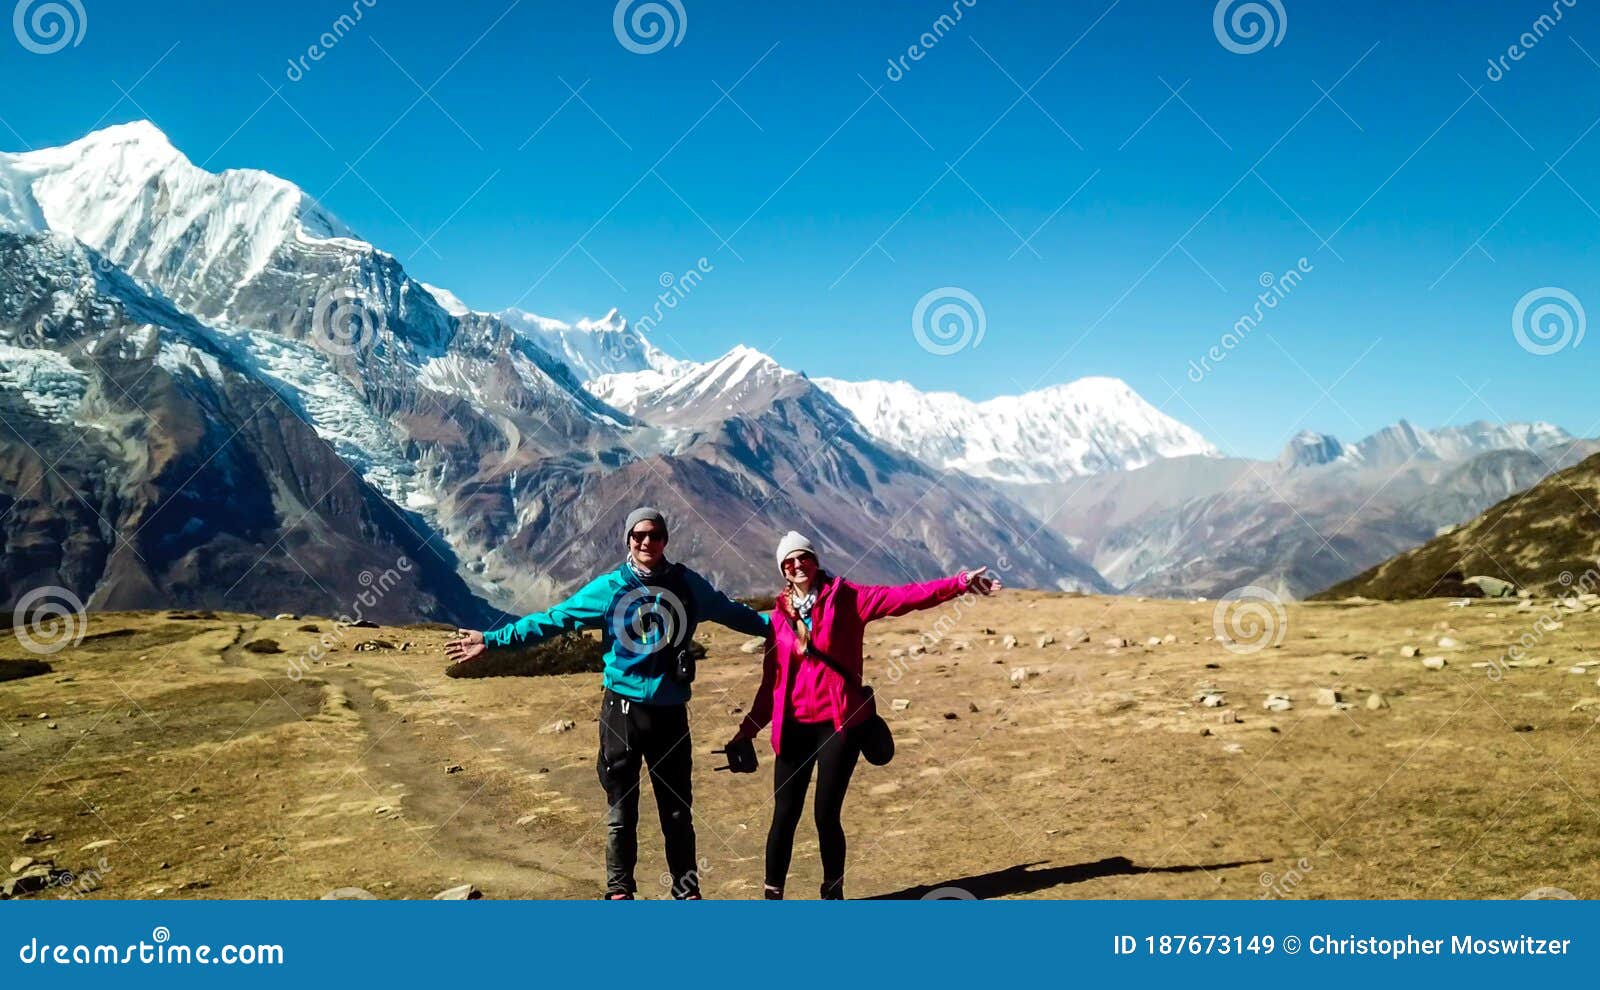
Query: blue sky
[1106,226]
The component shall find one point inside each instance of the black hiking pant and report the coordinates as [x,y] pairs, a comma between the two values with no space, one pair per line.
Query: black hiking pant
[809,746]
[632,734]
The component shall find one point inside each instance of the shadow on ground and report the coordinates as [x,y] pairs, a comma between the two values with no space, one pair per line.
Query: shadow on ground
[1024,879]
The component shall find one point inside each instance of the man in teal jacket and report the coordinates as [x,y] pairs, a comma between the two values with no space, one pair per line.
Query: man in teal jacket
[646,610]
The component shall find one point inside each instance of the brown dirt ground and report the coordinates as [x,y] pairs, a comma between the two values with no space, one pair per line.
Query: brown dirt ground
[218,772]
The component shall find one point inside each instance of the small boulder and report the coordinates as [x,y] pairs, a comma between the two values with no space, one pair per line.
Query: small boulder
[1213,701]
[1435,663]
[1376,702]
[465,892]
[755,644]
[1409,651]
[1448,643]
[1277,703]
[22,863]
[1117,642]
[560,725]
[454,768]
[1228,717]
[1045,640]
[1328,697]
[1019,675]
[900,704]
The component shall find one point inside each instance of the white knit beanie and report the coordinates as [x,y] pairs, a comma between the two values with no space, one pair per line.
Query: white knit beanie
[791,542]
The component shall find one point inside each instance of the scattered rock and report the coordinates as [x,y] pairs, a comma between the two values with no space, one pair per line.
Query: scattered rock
[371,645]
[1409,651]
[1577,670]
[1435,663]
[34,837]
[22,863]
[1586,704]
[916,650]
[1205,732]
[100,844]
[1009,642]
[33,880]
[1492,587]
[454,768]
[1228,717]
[753,645]
[465,892]
[527,820]
[900,704]
[959,645]
[1448,643]
[972,706]
[1522,727]
[951,716]
[896,654]
[1213,666]
[1018,675]
[1045,640]
[285,617]
[560,725]
[1153,641]
[1278,703]
[364,624]
[349,894]
[310,627]
[1376,702]
[1213,701]
[1169,639]
[1233,747]
[1328,697]
[1117,642]
[1077,634]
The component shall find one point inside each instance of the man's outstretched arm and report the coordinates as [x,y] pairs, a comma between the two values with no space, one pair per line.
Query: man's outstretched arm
[714,606]
[584,610]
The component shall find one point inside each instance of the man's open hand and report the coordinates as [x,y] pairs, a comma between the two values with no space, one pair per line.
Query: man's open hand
[466,647]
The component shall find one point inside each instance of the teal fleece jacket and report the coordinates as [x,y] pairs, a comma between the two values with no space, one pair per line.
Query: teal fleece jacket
[641,626]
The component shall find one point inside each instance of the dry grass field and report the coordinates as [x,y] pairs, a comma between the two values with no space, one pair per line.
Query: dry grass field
[192,764]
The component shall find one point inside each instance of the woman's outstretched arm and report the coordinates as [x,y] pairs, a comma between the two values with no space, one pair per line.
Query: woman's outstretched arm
[883,601]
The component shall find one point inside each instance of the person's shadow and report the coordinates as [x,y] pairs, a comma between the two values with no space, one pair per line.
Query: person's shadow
[1024,879]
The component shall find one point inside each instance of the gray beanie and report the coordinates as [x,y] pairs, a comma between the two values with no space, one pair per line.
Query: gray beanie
[791,542]
[642,514]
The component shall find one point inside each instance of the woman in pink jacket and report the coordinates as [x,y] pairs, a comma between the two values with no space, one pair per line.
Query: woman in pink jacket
[817,627]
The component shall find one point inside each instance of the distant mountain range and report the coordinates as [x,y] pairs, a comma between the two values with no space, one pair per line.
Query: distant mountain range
[1545,540]
[215,394]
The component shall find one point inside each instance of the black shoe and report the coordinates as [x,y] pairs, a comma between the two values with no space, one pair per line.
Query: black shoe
[771,893]
[833,890]
[616,895]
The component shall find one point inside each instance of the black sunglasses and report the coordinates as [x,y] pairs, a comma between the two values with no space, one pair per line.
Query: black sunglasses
[646,535]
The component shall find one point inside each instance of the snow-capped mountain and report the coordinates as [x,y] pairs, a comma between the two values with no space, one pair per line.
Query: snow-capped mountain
[291,359]
[592,348]
[1088,426]
[1402,444]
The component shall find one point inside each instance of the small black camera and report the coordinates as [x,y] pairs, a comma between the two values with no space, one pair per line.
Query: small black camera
[683,667]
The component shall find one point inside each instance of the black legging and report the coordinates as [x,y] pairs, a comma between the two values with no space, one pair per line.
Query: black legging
[807,745]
